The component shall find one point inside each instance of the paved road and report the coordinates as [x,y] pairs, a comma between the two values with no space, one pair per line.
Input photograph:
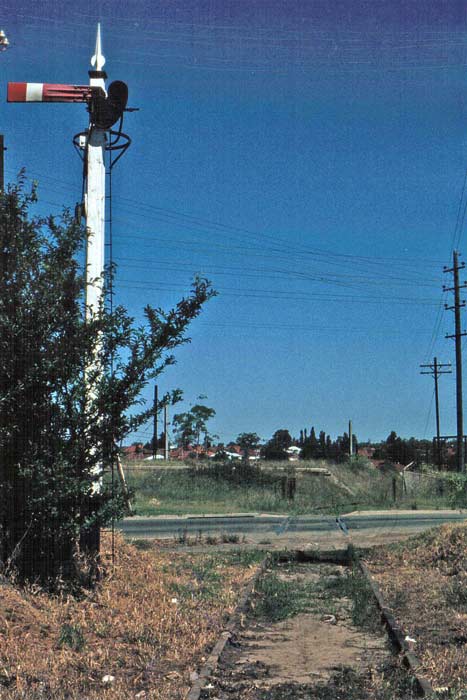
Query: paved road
[167,526]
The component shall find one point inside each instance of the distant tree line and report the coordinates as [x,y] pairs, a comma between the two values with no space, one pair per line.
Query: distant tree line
[312,447]
[397,449]
[323,447]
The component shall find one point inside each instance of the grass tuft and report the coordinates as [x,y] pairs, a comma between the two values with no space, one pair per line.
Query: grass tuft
[353,585]
[71,636]
[275,599]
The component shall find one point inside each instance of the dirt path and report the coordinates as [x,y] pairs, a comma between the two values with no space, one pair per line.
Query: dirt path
[299,656]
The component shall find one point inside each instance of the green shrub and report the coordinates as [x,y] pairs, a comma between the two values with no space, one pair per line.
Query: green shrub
[71,636]
[457,490]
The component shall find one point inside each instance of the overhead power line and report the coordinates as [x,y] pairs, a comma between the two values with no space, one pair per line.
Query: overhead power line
[285,245]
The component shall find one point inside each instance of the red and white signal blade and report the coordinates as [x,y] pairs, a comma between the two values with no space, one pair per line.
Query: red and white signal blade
[48,92]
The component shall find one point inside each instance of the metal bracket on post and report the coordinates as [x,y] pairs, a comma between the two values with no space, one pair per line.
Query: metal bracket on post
[113,143]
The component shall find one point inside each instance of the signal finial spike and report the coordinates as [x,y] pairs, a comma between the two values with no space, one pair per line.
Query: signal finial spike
[98,60]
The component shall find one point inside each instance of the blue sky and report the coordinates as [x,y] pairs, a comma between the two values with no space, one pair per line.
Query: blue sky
[308,157]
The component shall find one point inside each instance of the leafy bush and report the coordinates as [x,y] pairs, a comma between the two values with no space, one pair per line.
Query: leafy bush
[57,437]
[238,472]
[358,463]
[457,490]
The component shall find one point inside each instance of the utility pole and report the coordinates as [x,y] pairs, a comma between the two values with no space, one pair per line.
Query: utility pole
[350,440]
[2,163]
[457,335]
[435,370]
[166,434]
[154,436]
[4,44]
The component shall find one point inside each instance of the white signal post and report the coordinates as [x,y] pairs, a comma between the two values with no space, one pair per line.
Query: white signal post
[105,111]
[94,209]
[93,143]
[95,193]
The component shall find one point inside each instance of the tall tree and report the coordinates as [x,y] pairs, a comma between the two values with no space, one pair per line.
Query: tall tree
[189,426]
[58,439]
[282,439]
[248,441]
[276,448]
[313,441]
[322,444]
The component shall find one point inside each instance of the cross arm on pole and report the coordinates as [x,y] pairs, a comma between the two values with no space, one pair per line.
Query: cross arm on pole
[455,335]
[451,269]
[453,308]
[453,289]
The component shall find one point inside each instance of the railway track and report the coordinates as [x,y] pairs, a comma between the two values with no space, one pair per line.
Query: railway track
[309,629]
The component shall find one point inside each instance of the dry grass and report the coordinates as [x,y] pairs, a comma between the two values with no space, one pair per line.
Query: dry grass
[425,582]
[147,624]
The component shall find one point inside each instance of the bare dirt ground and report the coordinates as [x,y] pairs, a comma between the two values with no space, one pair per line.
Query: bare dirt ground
[300,656]
[295,540]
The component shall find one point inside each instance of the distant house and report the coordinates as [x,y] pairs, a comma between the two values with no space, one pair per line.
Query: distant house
[134,452]
[181,453]
[294,453]
[233,448]
[190,452]
[230,451]
[366,451]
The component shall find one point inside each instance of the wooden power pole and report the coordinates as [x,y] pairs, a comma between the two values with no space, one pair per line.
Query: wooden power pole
[457,335]
[166,433]
[2,163]
[154,435]
[435,370]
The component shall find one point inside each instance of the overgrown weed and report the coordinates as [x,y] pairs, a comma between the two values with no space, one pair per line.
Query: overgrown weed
[354,586]
[275,599]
